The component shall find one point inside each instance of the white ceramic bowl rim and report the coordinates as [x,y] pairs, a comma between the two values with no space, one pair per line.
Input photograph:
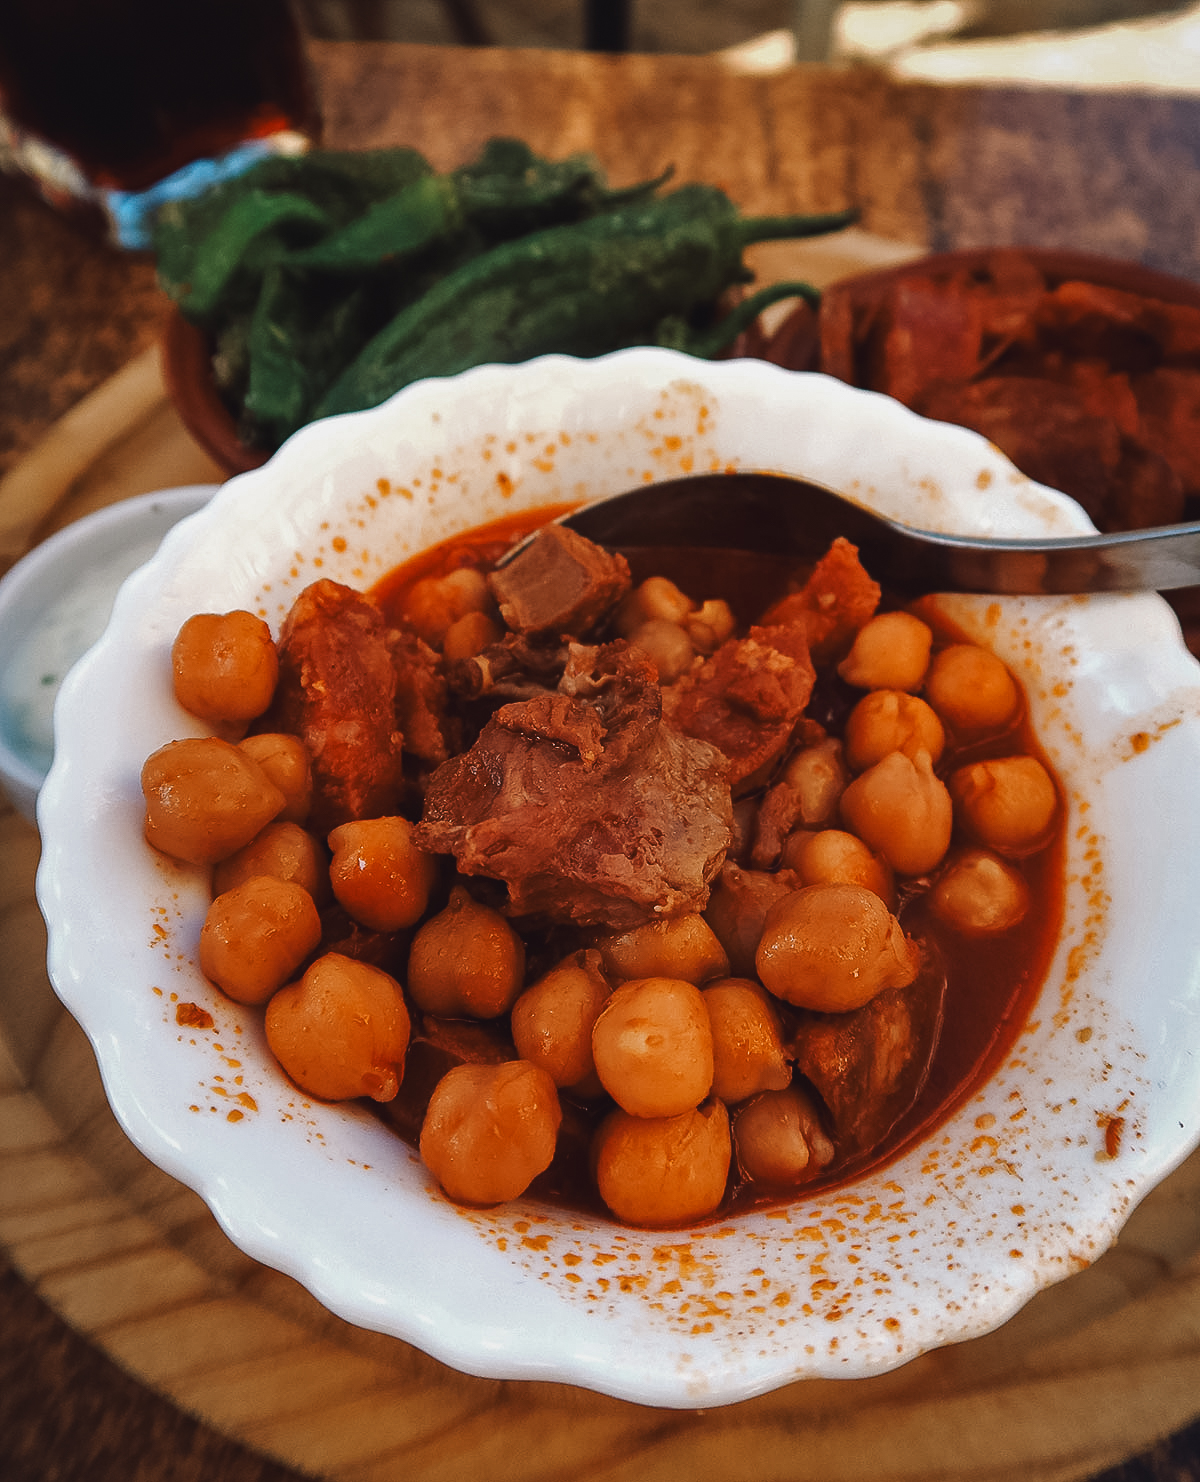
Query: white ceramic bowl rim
[1030,1178]
[38,579]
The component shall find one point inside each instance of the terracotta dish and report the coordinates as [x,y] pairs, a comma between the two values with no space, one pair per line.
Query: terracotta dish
[187,366]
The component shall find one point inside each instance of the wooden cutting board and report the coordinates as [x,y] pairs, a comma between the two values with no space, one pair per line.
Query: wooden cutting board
[1092,1372]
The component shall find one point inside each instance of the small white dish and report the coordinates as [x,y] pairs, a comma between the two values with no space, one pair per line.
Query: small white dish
[1029,1179]
[54,604]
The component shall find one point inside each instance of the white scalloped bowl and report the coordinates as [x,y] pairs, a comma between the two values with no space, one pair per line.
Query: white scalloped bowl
[1024,1184]
[54,604]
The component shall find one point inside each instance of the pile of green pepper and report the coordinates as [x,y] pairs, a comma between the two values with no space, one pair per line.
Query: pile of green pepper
[328,281]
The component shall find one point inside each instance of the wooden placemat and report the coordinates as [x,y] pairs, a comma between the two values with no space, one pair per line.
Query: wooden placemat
[1090,1373]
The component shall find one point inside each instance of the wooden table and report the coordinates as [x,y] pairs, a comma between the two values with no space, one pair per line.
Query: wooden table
[1090,1374]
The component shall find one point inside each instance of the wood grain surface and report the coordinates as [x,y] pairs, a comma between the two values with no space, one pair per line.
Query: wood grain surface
[1090,1374]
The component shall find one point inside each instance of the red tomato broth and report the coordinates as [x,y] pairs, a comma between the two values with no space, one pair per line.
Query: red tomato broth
[991,992]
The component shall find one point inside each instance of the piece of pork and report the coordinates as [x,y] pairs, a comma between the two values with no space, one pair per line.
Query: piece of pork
[747,699]
[870,1065]
[337,692]
[436,1046]
[1049,431]
[560,583]
[926,332]
[514,668]
[838,598]
[422,715]
[1094,321]
[1168,405]
[738,907]
[586,804]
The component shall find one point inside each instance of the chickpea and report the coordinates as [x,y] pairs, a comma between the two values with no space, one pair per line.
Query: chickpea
[656,597]
[890,652]
[552,1021]
[256,935]
[490,1130]
[652,1044]
[779,1139]
[666,645]
[817,775]
[900,809]
[891,720]
[466,960]
[680,947]
[282,850]
[1008,803]
[748,1054]
[834,857]
[379,875]
[225,666]
[971,689]
[435,603]
[205,798]
[663,1171]
[342,1031]
[710,625]
[980,894]
[470,635]
[286,762]
[833,948]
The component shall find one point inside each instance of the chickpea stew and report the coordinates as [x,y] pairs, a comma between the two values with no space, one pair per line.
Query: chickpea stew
[636,881]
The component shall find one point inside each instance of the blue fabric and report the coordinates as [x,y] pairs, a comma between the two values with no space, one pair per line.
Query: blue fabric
[130,211]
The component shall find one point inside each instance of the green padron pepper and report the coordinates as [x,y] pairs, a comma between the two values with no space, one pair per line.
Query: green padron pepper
[256,231]
[619,278]
[478,206]
[327,281]
[338,184]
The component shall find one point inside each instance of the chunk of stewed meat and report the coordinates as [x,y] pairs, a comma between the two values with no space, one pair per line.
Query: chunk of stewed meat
[422,715]
[337,692]
[437,1046]
[560,583]
[748,698]
[513,668]
[610,822]
[1050,432]
[838,598]
[870,1065]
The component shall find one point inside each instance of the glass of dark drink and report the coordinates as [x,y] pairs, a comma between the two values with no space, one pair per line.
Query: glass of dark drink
[133,90]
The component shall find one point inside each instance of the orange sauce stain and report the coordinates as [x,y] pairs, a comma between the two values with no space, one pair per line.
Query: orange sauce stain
[1114,1129]
[190,1015]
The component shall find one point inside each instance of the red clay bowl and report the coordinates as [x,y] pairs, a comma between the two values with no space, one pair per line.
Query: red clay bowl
[187,366]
